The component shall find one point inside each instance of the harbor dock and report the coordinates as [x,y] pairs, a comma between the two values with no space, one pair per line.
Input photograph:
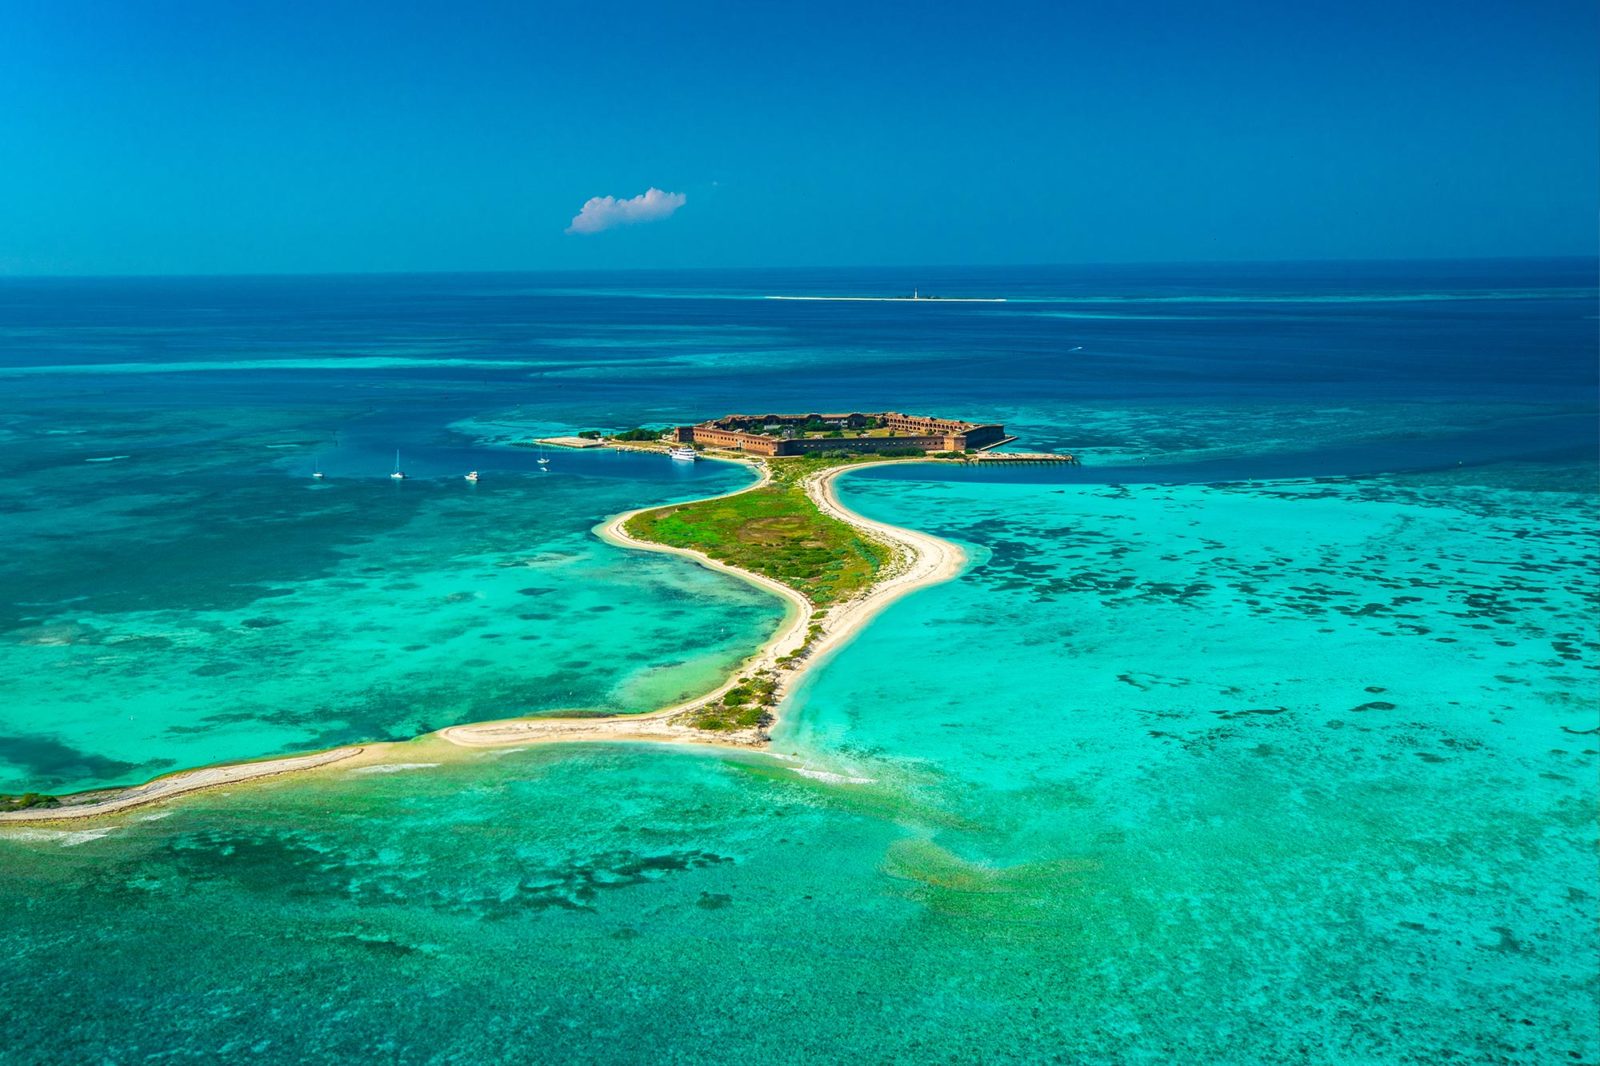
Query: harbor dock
[1019,458]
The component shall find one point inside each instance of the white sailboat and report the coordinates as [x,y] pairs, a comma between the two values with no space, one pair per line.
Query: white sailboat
[398,475]
[316,469]
[544,460]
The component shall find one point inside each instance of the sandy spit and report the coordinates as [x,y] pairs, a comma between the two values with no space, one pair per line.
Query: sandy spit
[919,560]
[180,784]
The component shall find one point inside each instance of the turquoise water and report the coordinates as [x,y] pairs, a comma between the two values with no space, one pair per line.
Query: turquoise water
[1269,735]
[1170,772]
[352,609]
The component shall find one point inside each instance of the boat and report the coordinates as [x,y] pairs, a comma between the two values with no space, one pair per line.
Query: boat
[544,460]
[398,475]
[471,475]
[683,453]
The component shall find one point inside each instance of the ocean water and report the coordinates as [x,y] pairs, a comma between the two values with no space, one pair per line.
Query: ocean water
[236,616]
[1269,734]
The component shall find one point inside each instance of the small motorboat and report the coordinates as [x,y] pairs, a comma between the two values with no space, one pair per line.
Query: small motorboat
[471,475]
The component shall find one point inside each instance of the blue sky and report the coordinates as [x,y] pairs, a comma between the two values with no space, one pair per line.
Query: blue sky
[174,137]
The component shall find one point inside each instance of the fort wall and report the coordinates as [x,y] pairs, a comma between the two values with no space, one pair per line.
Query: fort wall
[753,433]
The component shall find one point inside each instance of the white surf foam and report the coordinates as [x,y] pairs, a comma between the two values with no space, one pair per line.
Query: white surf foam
[837,779]
[393,767]
[67,838]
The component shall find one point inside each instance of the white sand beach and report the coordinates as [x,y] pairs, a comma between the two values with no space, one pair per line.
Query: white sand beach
[919,560]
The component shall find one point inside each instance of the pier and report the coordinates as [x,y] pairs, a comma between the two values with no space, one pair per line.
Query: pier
[1021,458]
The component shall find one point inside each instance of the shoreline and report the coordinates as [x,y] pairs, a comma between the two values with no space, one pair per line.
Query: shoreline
[920,560]
[182,783]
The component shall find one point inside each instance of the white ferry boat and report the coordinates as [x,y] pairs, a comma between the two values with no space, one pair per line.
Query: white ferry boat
[683,453]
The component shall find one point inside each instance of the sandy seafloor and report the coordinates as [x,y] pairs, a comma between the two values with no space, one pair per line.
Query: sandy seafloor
[1249,741]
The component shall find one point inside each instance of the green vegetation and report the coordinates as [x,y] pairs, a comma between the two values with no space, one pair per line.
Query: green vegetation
[589,434]
[27,800]
[637,434]
[775,531]
[748,704]
[813,634]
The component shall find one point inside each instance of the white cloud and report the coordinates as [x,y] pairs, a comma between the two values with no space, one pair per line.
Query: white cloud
[603,212]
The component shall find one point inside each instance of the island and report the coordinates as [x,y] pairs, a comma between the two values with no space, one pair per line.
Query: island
[786,533]
[882,432]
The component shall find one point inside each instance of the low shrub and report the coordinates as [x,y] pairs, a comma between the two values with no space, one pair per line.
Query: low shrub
[27,800]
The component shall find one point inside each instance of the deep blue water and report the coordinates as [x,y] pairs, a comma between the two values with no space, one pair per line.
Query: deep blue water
[626,347]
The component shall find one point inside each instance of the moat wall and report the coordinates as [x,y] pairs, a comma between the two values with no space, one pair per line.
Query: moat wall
[738,432]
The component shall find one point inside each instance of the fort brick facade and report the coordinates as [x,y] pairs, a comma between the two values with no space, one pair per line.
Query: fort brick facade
[773,434]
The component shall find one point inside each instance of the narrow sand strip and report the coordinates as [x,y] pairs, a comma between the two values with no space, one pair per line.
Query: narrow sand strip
[920,560]
[164,788]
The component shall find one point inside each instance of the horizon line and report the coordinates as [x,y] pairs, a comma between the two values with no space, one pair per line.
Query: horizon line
[1591,257]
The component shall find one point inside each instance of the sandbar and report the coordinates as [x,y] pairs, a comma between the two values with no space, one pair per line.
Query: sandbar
[919,560]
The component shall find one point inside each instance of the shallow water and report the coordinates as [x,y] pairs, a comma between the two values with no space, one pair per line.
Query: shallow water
[1266,735]
[353,610]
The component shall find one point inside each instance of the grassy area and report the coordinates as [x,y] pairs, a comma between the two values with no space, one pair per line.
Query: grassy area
[775,531]
[815,434]
[27,801]
[747,704]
